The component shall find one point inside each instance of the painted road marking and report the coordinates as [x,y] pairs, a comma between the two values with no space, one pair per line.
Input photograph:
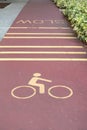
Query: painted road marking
[43,59]
[40,34]
[44,37]
[41,47]
[39,52]
[40,27]
[54,28]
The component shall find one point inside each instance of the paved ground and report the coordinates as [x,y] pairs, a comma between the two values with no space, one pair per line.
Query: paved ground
[9,14]
[43,72]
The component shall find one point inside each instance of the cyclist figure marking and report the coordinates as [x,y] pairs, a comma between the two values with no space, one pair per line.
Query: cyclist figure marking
[34,82]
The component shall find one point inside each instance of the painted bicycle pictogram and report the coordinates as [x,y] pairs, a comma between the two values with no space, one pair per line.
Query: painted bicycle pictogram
[33,83]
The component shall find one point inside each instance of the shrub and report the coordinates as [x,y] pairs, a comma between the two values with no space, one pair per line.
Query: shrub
[76,11]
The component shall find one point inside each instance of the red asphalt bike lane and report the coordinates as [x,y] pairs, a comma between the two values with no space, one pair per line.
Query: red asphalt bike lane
[43,84]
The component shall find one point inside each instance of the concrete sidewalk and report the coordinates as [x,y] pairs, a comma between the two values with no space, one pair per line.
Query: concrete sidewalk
[9,14]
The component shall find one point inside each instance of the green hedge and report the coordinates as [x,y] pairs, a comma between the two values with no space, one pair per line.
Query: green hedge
[76,11]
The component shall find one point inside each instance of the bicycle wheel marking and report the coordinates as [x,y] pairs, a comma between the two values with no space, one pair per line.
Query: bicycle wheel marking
[60,97]
[49,92]
[20,97]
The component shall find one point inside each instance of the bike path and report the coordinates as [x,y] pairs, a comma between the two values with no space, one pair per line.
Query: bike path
[42,41]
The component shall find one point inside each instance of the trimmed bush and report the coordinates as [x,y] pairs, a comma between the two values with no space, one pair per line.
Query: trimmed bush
[76,11]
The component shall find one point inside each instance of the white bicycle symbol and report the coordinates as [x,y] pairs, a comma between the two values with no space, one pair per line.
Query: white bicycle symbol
[33,83]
